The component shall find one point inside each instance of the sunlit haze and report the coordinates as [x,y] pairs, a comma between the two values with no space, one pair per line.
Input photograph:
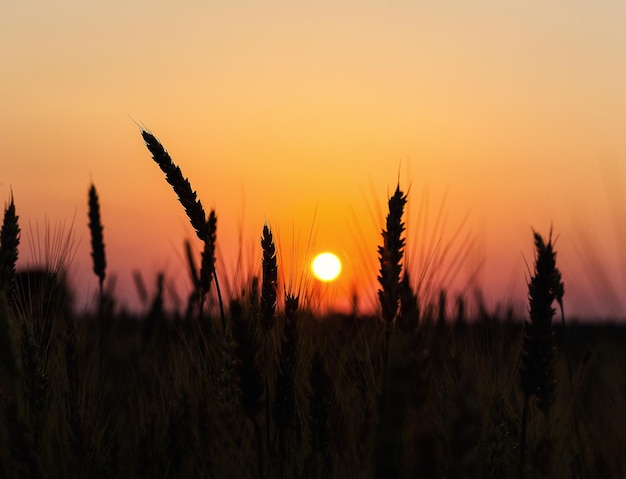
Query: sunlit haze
[496,119]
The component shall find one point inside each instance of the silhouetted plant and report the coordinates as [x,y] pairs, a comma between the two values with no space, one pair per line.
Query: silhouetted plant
[269,283]
[390,255]
[205,230]
[97,240]
[98,255]
[538,343]
[9,242]
[208,259]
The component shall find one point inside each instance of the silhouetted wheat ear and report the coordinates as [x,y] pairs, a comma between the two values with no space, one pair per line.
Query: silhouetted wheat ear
[186,196]
[97,241]
[9,242]
[538,344]
[208,255]
[390,256]
[270,279]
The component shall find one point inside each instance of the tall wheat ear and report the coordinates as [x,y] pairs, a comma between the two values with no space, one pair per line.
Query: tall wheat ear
[205,229]
[97,252]
[537,357]
[180,184]
[269,284]
[390,256]
[9,242]
[97,241]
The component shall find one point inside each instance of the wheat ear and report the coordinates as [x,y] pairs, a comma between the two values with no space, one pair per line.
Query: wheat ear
[180,184]
[206,230]
[207,269]
[269,283]
[390,255]
[285,410]
[9,242]
[97,242]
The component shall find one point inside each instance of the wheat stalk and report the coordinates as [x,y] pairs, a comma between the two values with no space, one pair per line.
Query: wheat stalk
[285,411]
[249,380]
[320,399]
[8,357]
[392,410]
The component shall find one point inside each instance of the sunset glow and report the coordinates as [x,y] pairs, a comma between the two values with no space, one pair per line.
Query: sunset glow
[494,118]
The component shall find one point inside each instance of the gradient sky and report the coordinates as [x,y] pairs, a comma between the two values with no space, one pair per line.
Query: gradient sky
[305,116]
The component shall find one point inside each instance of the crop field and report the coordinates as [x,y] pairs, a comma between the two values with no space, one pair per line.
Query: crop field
[259,385]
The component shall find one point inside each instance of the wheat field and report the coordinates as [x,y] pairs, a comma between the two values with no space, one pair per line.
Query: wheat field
[261,385]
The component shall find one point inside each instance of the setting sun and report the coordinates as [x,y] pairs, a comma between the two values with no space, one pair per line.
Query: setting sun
[326,266]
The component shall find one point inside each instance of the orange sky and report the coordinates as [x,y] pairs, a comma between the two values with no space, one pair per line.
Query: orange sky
[307,115]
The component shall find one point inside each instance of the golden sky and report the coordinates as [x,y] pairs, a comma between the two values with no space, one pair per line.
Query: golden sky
[305,114]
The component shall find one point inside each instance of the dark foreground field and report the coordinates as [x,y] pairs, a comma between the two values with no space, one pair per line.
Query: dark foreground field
[304,396]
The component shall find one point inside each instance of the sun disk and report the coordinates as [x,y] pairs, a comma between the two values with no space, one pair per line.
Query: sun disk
[326,266]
